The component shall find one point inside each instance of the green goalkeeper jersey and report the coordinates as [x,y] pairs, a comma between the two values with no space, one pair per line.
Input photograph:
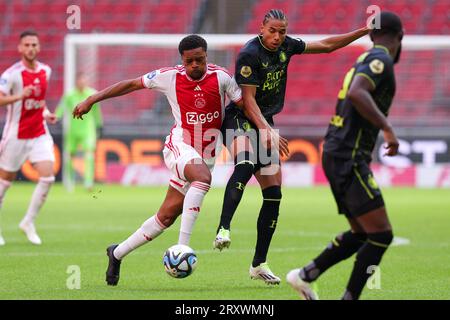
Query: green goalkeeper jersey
[91,121]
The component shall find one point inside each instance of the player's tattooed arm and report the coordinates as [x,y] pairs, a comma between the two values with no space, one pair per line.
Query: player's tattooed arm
[271,138]
[359,95]
[331,44]
[7,99]
[119,89]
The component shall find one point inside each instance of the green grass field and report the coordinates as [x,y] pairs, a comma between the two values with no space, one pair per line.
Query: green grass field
[76,228]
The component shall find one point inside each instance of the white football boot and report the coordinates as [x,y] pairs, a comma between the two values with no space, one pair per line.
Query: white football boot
[304,289]
[222,240]
[30,231]
[263,272]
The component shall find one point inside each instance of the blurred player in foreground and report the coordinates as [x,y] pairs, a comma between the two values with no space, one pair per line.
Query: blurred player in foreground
[80,133]
[361,112]
[25,136]
[196,92]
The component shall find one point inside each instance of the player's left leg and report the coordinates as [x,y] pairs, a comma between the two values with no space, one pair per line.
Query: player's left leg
[269,179]
[42,157]
[197,173]
[342,247]
[46,179]
[379,236]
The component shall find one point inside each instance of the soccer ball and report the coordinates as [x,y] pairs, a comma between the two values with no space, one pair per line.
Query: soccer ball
[179,261]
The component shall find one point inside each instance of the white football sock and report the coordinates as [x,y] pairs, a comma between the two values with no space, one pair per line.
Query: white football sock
[4,186]
[191,208]
[149,230]
[38,198]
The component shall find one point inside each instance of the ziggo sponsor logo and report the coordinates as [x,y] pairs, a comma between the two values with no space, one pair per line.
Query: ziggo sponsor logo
[196,118]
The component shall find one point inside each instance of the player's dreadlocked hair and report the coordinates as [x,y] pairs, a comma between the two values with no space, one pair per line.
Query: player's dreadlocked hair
[190,42]
[274,14]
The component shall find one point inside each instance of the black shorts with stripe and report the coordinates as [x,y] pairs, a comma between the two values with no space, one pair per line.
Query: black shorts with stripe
[236,124]
[353,185]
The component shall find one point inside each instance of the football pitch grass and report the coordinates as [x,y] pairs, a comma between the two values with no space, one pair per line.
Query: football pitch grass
[76,228]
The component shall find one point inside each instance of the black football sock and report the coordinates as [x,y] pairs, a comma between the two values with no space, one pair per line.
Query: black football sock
[341,248]
[243,171]
[369,255]
[267,222]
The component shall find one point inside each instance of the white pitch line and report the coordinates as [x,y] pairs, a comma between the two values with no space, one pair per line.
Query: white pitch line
[399,241]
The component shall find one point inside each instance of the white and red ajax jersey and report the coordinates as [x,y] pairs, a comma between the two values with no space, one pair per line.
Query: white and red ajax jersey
[198,106]
[25,117]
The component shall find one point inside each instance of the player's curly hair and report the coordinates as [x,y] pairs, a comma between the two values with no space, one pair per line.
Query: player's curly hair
[192,41]
[276,14]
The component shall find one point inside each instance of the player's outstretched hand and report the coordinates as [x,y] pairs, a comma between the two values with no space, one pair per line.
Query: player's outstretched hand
[392,143]
[81,109]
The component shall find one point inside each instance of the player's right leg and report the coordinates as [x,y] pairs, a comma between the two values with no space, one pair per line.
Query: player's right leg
[240,145]
[13,153]
[170,209]
[42,157]
[379,237]
[6,179]
[46,180]
[269,179]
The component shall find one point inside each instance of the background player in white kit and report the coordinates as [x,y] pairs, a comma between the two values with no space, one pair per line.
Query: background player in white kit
[25,135]
[196,93]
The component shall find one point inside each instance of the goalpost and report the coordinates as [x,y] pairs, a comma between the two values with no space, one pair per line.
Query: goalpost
[215,42]
[109,58]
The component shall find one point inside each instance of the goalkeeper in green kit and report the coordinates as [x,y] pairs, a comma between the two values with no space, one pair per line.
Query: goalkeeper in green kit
[80,133]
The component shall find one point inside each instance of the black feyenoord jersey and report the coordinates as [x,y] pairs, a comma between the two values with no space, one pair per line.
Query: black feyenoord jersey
[350,135]
[266,69]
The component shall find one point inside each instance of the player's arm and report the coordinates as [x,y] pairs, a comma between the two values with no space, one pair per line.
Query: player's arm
[8,99]
[331,44]
[253,113]
[251,109]
[119,89]
[359,95]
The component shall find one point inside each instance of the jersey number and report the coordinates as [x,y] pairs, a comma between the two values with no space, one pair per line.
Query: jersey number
[347,80]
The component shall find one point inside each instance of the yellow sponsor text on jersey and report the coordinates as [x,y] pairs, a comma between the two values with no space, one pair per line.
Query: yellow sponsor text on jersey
[273,80]
[337,121]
